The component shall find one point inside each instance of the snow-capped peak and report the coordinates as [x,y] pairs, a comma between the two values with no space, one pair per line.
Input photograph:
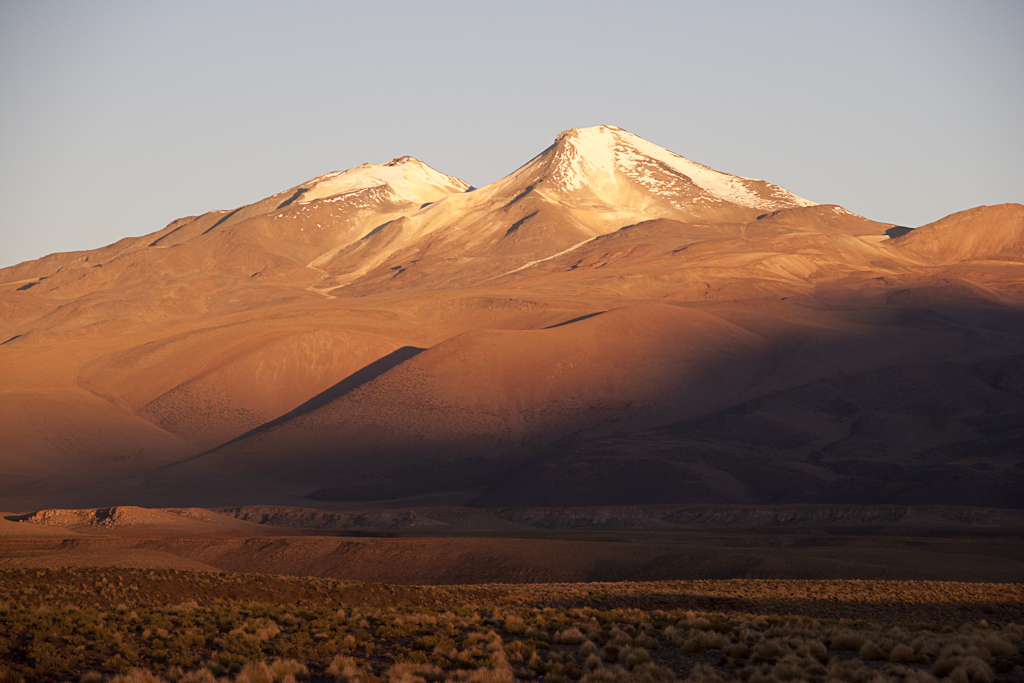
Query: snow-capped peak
[408,178]
[601,157]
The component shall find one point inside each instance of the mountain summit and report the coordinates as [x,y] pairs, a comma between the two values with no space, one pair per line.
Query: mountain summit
[404,178]
[613,166]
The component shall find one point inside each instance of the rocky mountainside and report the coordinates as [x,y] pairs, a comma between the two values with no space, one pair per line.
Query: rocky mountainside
[609,324]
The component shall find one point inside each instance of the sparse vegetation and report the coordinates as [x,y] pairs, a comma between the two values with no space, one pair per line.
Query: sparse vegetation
[139,626]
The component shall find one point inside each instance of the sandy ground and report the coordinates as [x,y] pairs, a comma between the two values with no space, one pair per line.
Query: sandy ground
[507,553]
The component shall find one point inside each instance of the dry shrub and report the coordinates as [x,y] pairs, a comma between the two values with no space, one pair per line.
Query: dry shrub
[808,665]
[348,670]
[255,672]
[870,652]
[696,622]
[846,640]
[917,676]
[136,676]
[954,650]
[851,670]
[633,657]
[704,674]
[789,669]
[198,676]
[497,675]
[178,675]
[902,654]
[588,648]
[945,666]
[514,624]
[411,673]
[281,668]
[999,645]
[570,636]
[618,637]
[713,640]
[771,649]
[652,673]
[971,670]
[753,675]
[814,649]
[927,646]
[254,629]
[646,641]
[739,651]
[610,674]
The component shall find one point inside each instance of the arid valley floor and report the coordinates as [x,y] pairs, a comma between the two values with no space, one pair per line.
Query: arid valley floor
[601,595]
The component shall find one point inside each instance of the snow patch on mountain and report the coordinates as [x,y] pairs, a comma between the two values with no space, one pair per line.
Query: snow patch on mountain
[596,158]
[407,179]
[548,258]
[588,158]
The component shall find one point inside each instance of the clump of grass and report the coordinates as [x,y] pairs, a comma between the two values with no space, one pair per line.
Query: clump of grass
[771,650]
[570,636]
[971,670]
[846,641]
[902,653]
[349,670]
[871,652]
[703,673]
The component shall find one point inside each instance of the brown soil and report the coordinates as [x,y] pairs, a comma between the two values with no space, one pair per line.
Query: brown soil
[462,546]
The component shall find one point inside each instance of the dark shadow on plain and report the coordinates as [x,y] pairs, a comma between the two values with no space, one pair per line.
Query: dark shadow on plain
[350,383]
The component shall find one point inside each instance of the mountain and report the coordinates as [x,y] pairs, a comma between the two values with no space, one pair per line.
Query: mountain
[983,233]
[610,323]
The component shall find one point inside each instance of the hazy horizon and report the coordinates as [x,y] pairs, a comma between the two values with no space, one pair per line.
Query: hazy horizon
[118,118]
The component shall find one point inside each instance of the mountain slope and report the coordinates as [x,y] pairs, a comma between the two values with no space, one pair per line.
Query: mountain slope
[985,232]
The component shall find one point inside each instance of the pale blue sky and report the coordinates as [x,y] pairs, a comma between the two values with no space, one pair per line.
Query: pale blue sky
[117,117]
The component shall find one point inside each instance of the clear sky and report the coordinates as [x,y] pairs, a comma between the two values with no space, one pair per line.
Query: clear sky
[118,117]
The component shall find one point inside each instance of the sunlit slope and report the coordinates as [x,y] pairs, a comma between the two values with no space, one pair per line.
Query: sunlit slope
[982,233]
